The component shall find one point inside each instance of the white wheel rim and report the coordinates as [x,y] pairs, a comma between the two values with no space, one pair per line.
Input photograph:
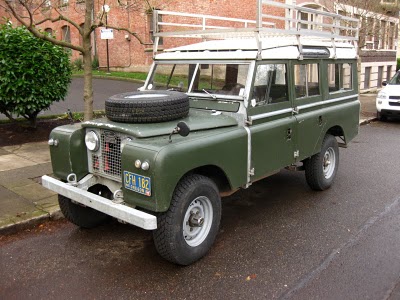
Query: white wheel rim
[199,209]
[329,163]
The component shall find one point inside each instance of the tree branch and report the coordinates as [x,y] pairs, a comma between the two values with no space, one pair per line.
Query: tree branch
[131,33]
[31,26]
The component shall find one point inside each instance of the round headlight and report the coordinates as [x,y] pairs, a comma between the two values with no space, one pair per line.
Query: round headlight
[124,141]
[92,141]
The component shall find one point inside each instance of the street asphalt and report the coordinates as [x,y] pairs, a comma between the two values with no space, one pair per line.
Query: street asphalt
[23,201]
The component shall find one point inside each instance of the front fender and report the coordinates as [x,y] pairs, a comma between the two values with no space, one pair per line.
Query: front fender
[224,148]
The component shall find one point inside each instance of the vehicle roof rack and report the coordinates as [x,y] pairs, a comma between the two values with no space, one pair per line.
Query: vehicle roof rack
[324,26]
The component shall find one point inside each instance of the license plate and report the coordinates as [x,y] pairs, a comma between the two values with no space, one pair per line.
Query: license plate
[137,183]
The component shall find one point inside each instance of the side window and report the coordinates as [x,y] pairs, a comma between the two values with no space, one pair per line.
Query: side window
[306,78]
[340,77]
[270,84]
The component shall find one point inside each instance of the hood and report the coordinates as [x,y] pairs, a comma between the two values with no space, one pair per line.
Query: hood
[196,120]
[392,90]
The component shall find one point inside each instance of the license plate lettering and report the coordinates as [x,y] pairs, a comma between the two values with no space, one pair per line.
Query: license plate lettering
[137,183]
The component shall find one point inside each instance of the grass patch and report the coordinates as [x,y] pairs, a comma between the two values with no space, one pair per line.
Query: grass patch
[117,75]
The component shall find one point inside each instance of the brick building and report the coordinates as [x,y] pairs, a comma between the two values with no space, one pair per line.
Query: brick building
[378,53]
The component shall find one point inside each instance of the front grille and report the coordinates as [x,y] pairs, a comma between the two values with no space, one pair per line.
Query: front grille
[394,97]
[107,160]
[394,103]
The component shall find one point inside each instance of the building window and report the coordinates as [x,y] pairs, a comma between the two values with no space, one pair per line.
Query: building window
[66,36]
[340,77]
[383,35]
[380,76]
[388,73]
[367,77]
[49,31]
[306,80]
[63,3]
[376,30]
[391,36]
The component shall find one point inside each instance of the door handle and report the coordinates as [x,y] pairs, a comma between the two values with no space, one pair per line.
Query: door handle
[289,134]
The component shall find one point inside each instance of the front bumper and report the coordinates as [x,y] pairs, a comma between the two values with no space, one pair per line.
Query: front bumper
[120,211]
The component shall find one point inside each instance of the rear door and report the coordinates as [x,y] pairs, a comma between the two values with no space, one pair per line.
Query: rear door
[272,121]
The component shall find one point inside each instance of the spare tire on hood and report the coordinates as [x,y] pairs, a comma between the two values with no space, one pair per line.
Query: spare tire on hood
[147,106]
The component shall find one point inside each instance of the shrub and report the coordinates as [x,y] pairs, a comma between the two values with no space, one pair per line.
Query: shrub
[95,63]
[77,64]
[33,73]
[398,64]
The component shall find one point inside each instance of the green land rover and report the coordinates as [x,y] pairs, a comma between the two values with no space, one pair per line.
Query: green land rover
[212,118]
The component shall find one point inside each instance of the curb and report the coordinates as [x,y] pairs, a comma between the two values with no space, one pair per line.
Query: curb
[30,223]
[367,121]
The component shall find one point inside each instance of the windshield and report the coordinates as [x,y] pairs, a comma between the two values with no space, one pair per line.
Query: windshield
[207,79]
[396,79]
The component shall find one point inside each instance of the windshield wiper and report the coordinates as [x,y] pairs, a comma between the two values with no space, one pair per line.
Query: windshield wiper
[208,93]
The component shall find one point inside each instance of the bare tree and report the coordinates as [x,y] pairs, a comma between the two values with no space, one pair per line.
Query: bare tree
[34,13]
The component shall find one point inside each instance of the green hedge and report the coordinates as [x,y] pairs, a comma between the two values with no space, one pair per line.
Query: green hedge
[33,73]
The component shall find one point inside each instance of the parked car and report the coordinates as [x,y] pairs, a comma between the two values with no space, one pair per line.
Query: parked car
[388,99]
[212,118]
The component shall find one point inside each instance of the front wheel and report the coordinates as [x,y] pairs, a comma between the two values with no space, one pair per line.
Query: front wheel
[84,217]
[381,117]
[188,229]
[321,168]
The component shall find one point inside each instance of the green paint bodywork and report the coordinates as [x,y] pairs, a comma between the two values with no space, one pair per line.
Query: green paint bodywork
[224,148]
[70,155]
[217,146]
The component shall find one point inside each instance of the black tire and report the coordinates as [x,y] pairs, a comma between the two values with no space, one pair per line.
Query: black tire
[147,106]
[194,196]
[381,117]
[320,171]
[82,216]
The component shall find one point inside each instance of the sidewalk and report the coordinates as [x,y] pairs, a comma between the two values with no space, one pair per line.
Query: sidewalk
[25,203]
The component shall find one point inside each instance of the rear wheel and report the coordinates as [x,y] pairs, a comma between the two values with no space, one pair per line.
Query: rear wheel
[321,168]
[186,232]
[82,216]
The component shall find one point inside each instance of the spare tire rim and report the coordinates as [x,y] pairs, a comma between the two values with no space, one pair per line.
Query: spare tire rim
[146,96]
[329,163]
[197,221]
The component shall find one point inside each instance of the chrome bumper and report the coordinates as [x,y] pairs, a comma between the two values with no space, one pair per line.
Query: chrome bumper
[119,211]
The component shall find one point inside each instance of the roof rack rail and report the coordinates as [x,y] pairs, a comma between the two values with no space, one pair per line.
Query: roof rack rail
[286,22]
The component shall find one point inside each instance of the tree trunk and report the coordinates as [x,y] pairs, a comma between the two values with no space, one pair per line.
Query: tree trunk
[88,85]
[87,62]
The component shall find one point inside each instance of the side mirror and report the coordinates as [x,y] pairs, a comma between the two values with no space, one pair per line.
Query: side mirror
[384,83]
[181,128]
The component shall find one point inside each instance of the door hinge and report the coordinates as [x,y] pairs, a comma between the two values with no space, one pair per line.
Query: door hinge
[251,173]
[296,154]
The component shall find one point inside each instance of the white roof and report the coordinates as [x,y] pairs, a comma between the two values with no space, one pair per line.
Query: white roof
[272,48]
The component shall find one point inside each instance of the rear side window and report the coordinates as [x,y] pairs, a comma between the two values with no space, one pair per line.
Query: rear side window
[306,78]
[340,77]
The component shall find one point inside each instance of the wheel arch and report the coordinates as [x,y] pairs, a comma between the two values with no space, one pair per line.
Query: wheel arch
[336,131]
[216,174]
